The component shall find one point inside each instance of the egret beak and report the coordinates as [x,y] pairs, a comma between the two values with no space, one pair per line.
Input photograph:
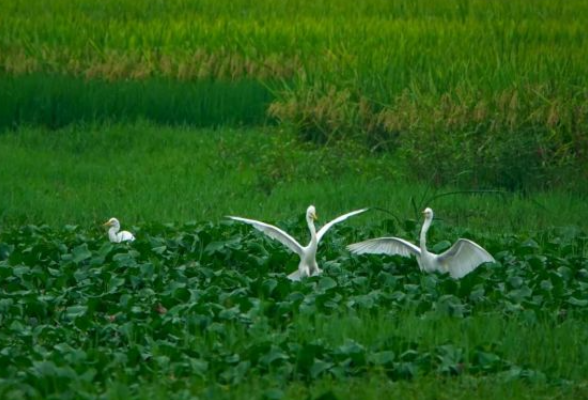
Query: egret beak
[314,217]
[107,223]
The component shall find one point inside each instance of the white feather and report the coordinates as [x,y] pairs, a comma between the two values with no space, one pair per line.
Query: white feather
[114,233]
[463,257]
[342,218]
[385,245]
[273,232]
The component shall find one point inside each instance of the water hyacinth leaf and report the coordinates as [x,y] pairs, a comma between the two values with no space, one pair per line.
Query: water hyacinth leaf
[546,285]
[536,261]
[21,270]
[105,249]
[159,249]
[229,317]
[327,283]
[578,302]
[5,250]
[198,367]
[516,282]
[319,367]
[273,356]
[269,285]
[273,394]
[74,312]
[124,259]
[81,253]
[223,246]
[385,358]
[114,283]
[565,273]
[488,361]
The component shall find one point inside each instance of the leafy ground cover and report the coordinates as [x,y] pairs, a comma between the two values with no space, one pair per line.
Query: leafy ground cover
[207,308]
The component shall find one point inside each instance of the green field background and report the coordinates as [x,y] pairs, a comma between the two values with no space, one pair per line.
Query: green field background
[494,90]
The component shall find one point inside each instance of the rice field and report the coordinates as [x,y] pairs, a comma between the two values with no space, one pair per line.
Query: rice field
[420,78]
[402,44]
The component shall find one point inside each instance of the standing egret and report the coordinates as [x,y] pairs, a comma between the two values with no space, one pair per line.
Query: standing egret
[114,235]
[307,266]
[459,260]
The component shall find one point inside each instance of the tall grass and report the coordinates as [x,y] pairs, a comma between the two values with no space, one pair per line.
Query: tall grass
[496,90]
[55,101]
[380,47]
[141,172]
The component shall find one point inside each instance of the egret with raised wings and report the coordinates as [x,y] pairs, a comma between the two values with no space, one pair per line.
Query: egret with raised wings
[307,266]
[114,234]
[459,260]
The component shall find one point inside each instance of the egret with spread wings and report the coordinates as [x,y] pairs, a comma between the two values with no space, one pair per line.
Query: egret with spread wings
[459,260]
[307,266]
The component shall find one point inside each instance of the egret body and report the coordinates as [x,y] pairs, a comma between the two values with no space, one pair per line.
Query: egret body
[308,265]
[459,260]
[115,235]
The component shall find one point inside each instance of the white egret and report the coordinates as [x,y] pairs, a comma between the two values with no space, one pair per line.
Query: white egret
[459,260]
[114,235]
[307,266]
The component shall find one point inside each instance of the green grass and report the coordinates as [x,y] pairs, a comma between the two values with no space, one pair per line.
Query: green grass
[375,388]
[495,92]
[55,101]
[143,173]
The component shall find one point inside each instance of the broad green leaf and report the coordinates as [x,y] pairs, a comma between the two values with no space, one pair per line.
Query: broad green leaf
[81,253]
[326,283]
[74,312]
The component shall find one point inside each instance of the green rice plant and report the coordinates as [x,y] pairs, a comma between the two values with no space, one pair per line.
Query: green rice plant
[516,139]
[56,101]
[347,71]
[380,48]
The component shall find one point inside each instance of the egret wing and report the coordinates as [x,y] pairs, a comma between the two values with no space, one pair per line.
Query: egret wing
[463,257]
[385,245]
[126,236]
[341,218]
[273,232]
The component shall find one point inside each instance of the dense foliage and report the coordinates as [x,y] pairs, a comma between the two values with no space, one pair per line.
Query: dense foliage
[211,304]
[496,90]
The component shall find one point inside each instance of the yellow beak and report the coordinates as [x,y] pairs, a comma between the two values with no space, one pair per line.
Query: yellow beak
[315,217]
[107,223]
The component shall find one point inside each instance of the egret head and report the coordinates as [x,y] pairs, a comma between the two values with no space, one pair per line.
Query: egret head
[113,222]
[311,214]
[428,213]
